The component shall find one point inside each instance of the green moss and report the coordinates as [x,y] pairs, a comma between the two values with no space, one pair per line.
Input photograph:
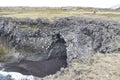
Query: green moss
[26,28]
[3,50]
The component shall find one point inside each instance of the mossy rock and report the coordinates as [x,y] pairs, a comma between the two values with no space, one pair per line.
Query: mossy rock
[3,58]
[3,50]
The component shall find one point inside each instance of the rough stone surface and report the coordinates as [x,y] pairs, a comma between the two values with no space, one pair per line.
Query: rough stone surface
[42,40]
[75,36]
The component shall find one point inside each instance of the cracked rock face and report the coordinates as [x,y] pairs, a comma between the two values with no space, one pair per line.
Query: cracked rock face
[47,45]
[89,36]
[73,36]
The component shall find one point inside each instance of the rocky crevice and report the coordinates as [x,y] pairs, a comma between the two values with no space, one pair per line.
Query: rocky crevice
[69,37]
[87,35]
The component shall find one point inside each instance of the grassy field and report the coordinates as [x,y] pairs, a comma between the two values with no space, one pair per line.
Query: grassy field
[58,12]
[45,13]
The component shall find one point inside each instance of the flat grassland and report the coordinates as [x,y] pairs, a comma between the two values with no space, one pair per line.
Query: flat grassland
[51,13]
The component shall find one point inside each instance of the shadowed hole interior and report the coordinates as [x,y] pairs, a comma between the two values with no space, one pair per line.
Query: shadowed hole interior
[56,59]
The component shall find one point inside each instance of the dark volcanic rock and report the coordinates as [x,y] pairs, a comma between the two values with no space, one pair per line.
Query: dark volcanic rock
[37,43]
[89,36]
[73,36]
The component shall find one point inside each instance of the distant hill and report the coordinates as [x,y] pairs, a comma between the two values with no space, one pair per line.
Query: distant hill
[116,7]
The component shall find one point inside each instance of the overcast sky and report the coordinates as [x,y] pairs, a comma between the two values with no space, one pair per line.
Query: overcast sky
[61,3]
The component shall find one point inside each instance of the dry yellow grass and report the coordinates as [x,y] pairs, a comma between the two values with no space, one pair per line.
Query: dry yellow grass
[104,67]
[51,13]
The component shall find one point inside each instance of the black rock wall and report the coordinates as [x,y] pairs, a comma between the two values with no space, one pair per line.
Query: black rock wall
[74,36]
